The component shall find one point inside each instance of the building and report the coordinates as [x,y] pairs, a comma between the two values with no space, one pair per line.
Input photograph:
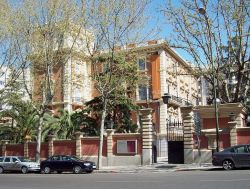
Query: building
[7,75]
[70,72]
[166,71]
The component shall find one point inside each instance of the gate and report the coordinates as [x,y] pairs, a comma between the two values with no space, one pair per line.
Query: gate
[175,139]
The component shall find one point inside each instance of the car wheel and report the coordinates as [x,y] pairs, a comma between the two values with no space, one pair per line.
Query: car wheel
[1,170]
[77,169]
[24,170]
[46,170]
[228,165]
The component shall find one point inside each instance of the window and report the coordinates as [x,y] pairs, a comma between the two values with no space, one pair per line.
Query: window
[66,158]
[126,146]
[143,93]
[55,158]
[142,64]
[77,95]
[14,159]
[78,68]
[1,159]
[2,83]
[7,159]
[241,149]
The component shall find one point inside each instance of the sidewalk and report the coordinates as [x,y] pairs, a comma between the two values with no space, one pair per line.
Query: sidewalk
[156,168]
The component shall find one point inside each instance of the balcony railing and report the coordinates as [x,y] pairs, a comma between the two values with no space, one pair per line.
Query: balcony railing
[179,101]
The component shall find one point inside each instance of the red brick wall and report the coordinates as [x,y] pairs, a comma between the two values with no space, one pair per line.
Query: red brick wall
[138,138]
[44,150]
[32,150]
[203,141]
[65,147]
[224,139]
[90,147]
[14,150]
[243,137]
[209,123]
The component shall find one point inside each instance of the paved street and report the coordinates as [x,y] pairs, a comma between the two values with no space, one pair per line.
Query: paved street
[205,179]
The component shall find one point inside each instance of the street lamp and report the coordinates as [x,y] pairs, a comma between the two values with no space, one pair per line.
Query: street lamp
[203,12]
[166,98]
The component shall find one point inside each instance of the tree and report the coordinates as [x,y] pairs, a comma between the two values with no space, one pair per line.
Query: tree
[24,119]
[113,82]
[114,24]
[40,36]
[45,34]
[119,109]
[216,35]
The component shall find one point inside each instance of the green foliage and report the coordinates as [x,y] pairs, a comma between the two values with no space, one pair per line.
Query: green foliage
[24,120]
[65,125]
[119,108]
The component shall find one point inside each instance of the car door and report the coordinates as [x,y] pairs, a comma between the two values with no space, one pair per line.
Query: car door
[241,156]
[16,164]
[67,163]
[248,155]
[7,162]
[55,163]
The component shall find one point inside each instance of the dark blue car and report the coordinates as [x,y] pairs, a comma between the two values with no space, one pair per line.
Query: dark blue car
[64,163]
[233,157]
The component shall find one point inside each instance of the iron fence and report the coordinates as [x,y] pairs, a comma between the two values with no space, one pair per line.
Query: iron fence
[175,130]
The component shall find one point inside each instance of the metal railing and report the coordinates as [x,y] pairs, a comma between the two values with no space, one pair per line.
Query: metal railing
[175,130]
[180,100]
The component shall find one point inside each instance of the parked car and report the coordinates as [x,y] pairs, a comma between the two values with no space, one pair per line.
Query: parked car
[233,157]
[18,163]
[61,163]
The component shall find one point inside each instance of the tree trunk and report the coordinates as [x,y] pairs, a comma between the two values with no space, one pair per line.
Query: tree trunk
[39,139]
[99,162]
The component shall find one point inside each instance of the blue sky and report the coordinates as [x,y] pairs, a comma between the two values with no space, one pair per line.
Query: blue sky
[159,19]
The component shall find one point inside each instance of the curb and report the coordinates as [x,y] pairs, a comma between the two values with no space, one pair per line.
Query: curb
[154,170]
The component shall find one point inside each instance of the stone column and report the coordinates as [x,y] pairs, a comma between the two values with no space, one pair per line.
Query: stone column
[27,139]
[4,143]
[188,127]
[78,144]
[233,132]
[110,133]
[147,135]
[51,138]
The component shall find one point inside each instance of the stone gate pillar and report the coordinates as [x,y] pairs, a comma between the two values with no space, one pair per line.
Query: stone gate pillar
[51,139]
[147,135]
[78,144]
[188,128]
[4,143]
[27,139]
[233,133]
[110,133]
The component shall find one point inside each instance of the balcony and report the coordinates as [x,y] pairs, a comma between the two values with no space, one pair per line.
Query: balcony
[178,101]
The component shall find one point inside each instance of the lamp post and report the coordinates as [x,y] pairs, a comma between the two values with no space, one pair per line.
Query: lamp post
[202,11]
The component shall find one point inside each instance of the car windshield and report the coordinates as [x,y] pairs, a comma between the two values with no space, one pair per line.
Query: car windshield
[75,158]
[22,159]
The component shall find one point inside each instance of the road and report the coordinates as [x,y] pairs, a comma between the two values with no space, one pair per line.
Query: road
[216,179]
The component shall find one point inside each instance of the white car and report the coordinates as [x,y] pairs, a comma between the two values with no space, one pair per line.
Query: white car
[18,163]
